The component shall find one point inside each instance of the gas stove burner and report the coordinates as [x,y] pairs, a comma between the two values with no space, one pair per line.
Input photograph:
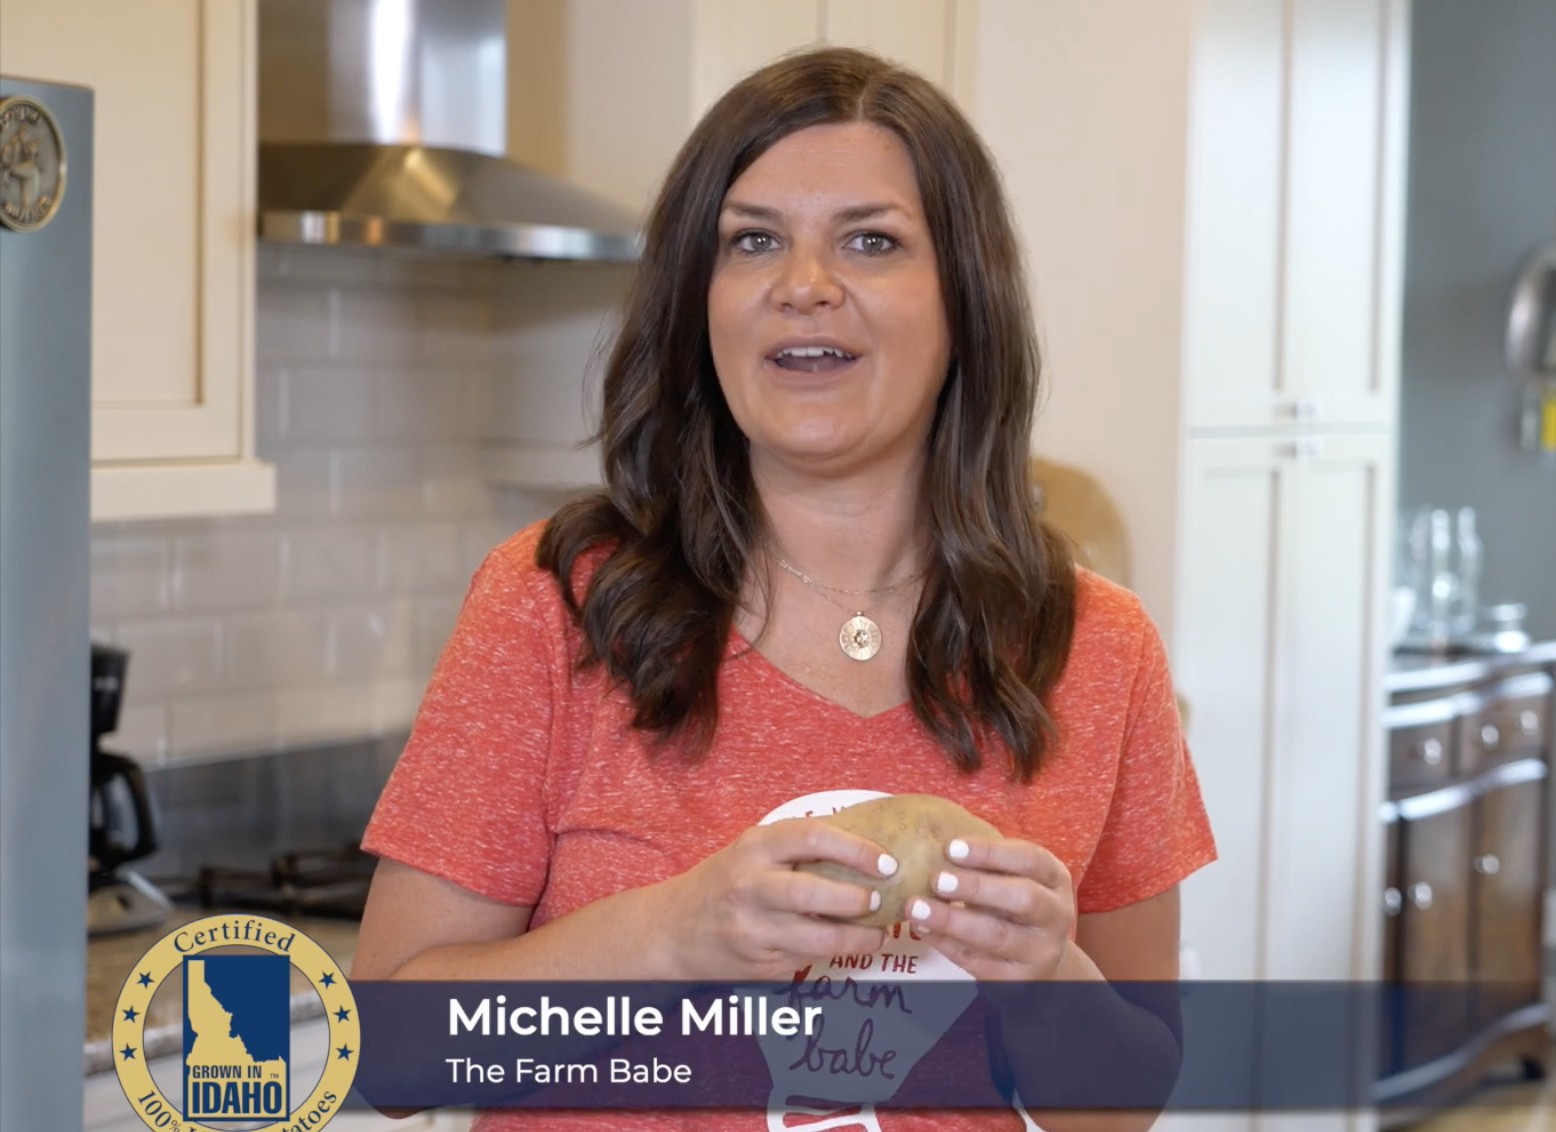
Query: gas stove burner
[318,882]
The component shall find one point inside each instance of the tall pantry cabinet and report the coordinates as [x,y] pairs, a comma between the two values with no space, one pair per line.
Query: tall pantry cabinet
[1293,258]
[1212,192]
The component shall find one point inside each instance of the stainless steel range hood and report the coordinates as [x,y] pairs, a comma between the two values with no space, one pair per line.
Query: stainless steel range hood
[383,123]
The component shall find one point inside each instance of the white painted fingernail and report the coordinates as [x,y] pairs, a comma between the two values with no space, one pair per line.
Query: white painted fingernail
[945,882]
[919,910]
[957,850]
[887,864]
[875,901]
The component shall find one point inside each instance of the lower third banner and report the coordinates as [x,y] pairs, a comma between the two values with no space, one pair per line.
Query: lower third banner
[940,1045]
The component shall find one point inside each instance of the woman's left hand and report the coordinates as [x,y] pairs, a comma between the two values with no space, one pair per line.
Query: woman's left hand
[1005,909]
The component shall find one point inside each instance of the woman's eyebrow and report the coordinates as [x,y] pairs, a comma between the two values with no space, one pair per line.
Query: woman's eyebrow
[850,215]
[855,213]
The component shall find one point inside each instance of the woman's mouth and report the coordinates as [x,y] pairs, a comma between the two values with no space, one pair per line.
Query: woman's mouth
[813,359]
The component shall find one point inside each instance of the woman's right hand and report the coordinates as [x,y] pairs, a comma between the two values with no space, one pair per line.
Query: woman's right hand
[746,913]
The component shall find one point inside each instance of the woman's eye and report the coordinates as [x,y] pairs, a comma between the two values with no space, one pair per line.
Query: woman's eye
[873,243]
[753,242]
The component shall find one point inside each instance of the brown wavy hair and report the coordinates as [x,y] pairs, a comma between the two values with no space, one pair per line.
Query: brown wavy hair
[680,517]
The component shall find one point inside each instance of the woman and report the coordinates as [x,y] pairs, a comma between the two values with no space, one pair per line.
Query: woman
[814,571]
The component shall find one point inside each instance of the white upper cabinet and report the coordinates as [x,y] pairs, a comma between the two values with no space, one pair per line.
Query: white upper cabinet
[1294,212]
[173,233]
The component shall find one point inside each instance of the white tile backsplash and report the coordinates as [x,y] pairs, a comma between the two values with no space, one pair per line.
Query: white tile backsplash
[376,324]
[378,483]
[217,568]
[304,489]
[325,714]
[431,406]
[369,642]
[293,324]
[331,562]
[417,557]
[323,621]
[131,577]
[453,483]
[235,723]
[281,647]
[171,656]
[327,407]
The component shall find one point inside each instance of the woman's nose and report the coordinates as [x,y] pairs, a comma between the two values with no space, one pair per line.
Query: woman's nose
[806,282]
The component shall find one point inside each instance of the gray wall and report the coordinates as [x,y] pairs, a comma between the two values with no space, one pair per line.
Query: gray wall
[1482,196]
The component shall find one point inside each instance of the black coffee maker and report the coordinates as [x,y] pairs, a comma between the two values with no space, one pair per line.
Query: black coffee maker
[122,821]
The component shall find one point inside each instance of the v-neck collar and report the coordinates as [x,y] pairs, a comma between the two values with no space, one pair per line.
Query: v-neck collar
[741,648]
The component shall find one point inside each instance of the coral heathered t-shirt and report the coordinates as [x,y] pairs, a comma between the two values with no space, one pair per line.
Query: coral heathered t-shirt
[525,782]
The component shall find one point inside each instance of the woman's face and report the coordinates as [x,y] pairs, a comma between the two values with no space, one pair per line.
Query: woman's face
[825,316]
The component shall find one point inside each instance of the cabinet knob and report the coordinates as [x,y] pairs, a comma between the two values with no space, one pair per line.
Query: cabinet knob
[1393,901]
[1421,895]
[1529,721]
[1488,865]
[1431,751]
[1490,736]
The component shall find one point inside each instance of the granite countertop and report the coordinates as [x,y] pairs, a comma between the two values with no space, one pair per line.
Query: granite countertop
[1417,672]
[109,960]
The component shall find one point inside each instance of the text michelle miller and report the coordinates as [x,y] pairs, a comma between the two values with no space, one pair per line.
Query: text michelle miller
[737,1015]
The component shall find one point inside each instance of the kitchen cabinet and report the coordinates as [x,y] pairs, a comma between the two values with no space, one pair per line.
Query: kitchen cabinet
[1296,165]
[1463,888]
[1284,542]
[173,233]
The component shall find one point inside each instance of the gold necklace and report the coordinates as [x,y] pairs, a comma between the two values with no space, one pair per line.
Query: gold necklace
[860,636]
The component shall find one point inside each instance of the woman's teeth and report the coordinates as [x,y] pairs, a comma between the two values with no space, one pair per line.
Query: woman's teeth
[812,359]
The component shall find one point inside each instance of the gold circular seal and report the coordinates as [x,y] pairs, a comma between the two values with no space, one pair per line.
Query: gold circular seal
[860,637]
[224,1080]
[32,164]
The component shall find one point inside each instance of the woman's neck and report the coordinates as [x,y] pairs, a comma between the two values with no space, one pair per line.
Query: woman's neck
[859,533]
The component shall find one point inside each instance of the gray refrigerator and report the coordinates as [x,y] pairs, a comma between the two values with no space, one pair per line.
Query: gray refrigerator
[45,458]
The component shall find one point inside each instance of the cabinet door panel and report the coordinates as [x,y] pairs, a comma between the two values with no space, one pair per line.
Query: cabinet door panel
[1284,545]
[1328,760]
[173,216]
[1232,254]
[1236,498]
[1508,891]
[1295,211]
[1435,934]
[1336,103]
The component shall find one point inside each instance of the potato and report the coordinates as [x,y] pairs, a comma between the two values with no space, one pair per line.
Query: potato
[914,828]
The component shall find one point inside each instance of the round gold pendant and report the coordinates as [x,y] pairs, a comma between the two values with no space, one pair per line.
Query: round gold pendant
[860,637]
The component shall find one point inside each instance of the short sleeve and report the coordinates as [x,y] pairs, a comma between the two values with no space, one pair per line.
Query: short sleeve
[467,799]
[1157,831]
